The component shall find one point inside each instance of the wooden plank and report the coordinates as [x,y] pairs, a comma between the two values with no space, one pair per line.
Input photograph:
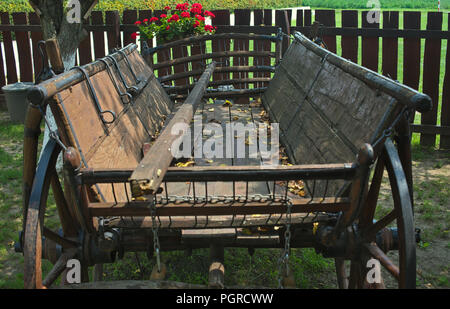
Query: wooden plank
[328,19]
[241,17]
[370,46]
[35,38]
[267,46]
[411,51]
[2,77]
[444,131]
[222,18]
[99,36]
[180,51]
[445,111]
[283,20]
[11,72]
[84,49]
[129,17]
[300,19]
[258,20]
[163,55]
[431,73]
[390,45]
[23,48]
[307,18]
[350,43]
[112,18]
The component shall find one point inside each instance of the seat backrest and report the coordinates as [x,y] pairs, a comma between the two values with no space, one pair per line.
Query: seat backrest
[117,144]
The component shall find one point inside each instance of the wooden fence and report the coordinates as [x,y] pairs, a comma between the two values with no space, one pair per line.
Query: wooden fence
[374,46]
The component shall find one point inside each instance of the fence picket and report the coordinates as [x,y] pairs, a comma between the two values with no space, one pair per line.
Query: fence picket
[99,36]
[328,19]
[431,70]
[445,111]
[390,45]
[370,45]
[11,71]
[349,44]
[411,51]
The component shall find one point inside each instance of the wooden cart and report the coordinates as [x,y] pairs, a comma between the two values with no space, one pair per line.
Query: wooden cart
[341,126]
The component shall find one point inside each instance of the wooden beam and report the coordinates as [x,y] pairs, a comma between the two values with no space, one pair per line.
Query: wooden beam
[148,175]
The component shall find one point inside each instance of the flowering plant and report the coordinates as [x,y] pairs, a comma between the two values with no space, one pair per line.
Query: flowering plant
[186,20]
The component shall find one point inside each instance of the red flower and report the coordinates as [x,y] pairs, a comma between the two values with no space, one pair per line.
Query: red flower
[137,23]
[174,17]
[146,20]
[163,16]
[196,10]
[134,35]
[197,5]
[210,14]
[200,17]
[185,15]
[168,27]
[196,24]
[209,28]
[153,19]
[167,8]
[182,6]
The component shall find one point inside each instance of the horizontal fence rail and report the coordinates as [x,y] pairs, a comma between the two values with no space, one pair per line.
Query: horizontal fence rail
[406,46]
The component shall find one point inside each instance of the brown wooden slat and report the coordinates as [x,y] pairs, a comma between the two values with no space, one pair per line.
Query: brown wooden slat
[84,49]
[267,46]
[11,72]
[307,18]
[390,45]
[222,18]
[99,36]
[241,17]
[35,38]
[180,51]
[129,17]
[431,129]
[328,19]
[258,20]
[445,111]
[283,21]
[431,70]
[411,51]
[2,77]
[370,46]
[23,48]
[350,44]
[112,18]
[299,22]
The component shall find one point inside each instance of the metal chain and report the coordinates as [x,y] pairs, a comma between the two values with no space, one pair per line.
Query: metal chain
[155,226]
[283,261]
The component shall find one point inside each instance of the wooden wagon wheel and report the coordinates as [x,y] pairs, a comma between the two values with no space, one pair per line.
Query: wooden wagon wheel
[405,270]
[37,181]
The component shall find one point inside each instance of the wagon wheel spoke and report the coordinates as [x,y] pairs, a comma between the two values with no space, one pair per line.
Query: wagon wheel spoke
[58,268]
[62,241]
[374,251]
[380,224]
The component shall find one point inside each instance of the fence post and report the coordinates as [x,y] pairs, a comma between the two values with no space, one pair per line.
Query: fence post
[445,111]
[431,69]
[113,20]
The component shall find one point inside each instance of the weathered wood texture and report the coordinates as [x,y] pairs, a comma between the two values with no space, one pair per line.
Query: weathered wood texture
[322,120]
[119,143]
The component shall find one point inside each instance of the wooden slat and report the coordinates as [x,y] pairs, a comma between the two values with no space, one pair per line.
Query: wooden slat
[222,18]
[370,46]
[23,48]
[241,17]
[267,46]
[146,14]
[307,18]
[445,111]
[35,38]
[84,49]
[431,129]
[2,76]
[283,20]
[11,72]
[180,51]
[99,36]
[328,19]
[431,72]
[300,19]
[350,43]
[390,45]
[258,20]
[411,51]
[129,17]
[113,19]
